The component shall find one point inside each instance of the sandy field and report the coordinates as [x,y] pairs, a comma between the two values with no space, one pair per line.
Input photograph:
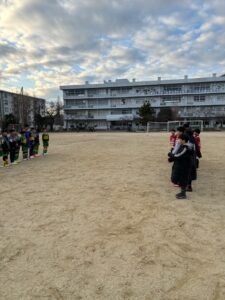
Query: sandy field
[97,219]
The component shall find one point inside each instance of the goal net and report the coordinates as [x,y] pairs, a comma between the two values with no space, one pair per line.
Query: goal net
[167,126]
[193,124]
[156,126]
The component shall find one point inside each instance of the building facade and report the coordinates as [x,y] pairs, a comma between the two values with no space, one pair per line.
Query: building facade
[23,107]
[115,105]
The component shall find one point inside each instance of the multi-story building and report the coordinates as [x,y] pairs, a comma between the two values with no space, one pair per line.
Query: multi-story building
[23,107]
[116,104]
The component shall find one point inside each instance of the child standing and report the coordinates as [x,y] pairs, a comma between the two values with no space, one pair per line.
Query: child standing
[45,140]
[173,138]
[5,148]
[1,150]
[181,166]
[176,147]
[197,132]
[36,143]
[179,131]
[18,144]
[32,137]
[192,148]
[12,150]
[28,144]
[24,144]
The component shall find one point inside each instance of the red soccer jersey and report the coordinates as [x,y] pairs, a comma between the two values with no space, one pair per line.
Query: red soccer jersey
[198,141]
[173,139]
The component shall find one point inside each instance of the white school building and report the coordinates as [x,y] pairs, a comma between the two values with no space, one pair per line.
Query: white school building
[115,105]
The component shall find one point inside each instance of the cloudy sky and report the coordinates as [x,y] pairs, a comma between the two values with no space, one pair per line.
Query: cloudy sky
[47,43]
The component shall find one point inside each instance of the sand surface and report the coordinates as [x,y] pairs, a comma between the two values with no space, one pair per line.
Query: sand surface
[97,219]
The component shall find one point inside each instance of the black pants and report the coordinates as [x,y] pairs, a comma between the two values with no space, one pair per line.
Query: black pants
[12,155]
[32,149]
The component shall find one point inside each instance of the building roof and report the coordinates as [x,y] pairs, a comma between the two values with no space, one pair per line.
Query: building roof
[127,83]
[24,95]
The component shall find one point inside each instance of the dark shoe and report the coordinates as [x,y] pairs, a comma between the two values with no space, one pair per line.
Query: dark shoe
[181,196]
[189,189]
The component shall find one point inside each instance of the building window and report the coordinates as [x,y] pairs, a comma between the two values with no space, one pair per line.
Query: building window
[96,92]
[171,98]
[140,101]
[202,87]
[126,111]
[103,102]
[172,88]
[199,98]
[220,97]
[75,103]
[78,92]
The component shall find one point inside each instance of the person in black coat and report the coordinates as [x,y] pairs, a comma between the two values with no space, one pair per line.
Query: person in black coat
[12,143]
[181,165]
[193,147]
[5,148]
[197,132]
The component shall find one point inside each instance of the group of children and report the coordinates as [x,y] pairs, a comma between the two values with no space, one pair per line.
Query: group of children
[184,153]
[27,140]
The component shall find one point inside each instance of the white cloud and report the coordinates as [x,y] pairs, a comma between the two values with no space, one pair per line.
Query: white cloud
[55,42]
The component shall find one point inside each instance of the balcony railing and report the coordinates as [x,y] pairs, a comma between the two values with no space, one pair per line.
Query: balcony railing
[151,93]
[84,117]
[156,104]
[201,114]
[97,106]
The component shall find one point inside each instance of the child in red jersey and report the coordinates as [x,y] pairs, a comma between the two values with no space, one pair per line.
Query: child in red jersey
[197,132]
[173,138]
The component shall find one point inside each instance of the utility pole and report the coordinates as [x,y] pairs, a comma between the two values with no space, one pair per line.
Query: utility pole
[21,107]
[1,112]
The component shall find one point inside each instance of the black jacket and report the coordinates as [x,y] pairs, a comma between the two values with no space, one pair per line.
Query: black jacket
[5,144]
[182,165]
[12,143]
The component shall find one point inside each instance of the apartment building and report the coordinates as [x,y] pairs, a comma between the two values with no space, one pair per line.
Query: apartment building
[23,107]
[115,105]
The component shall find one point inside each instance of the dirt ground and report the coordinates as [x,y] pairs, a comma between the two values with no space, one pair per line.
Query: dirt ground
[97,219]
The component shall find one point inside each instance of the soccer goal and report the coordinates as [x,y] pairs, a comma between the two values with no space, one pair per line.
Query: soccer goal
[167,126]
[193,124]
[156,126]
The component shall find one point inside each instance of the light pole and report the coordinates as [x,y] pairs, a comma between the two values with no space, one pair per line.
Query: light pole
[21,107]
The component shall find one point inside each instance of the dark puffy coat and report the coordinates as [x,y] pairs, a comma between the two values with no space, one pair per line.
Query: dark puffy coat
[5,145]
[181,166]
[193,147]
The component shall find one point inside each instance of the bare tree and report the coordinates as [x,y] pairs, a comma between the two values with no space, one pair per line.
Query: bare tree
[54,113]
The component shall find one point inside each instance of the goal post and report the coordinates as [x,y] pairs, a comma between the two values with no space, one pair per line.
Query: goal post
[193,124]
[168,126]
[156,126]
